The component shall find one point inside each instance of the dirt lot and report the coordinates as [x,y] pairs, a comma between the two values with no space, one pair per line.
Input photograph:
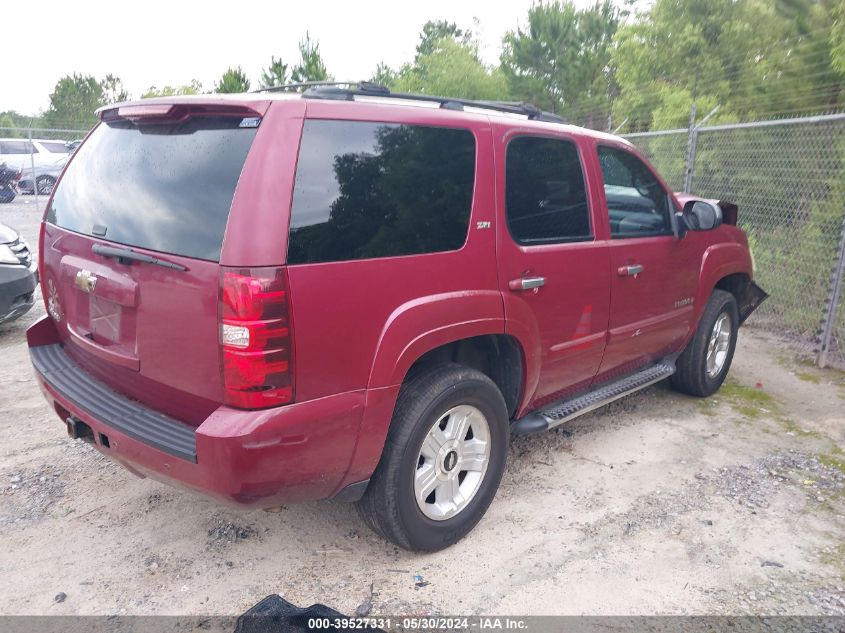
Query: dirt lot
[658,504]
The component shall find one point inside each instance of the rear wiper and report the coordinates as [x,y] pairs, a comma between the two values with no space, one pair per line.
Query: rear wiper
[127,256]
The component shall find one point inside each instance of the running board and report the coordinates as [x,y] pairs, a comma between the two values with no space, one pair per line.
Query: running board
[567,409]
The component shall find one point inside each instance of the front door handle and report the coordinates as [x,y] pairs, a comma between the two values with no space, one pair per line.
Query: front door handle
[631,270]
[526,283]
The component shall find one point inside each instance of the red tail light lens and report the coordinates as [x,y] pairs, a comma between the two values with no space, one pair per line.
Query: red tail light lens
[255,335]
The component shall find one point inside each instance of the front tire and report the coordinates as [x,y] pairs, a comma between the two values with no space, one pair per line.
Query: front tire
[443,459]
[704,364]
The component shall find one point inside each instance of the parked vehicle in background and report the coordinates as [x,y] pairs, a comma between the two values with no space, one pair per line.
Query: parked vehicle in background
[17,151]
[18,275]
[44,176]
[372,291]
[8,183]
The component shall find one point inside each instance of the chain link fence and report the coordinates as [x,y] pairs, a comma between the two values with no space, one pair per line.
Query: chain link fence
[788,178]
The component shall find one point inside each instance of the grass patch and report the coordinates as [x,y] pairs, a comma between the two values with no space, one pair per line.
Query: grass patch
[834,459]
[790,427]
[707,406]
[806,369]
[836,559]
[831,374]
[753,403]
[808,377]
[748,401]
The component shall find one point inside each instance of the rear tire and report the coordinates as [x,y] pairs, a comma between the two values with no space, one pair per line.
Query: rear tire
[704,364]
[427,494]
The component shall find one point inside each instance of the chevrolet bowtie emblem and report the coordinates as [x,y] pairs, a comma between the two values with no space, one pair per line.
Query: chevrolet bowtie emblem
[85,281]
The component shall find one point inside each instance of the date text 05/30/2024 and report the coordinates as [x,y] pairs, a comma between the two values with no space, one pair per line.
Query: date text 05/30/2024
[419,623]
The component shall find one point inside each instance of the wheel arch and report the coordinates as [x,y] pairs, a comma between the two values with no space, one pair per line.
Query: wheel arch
[724,266]
[735,283]
[498,356]
[467,328]
[424,324]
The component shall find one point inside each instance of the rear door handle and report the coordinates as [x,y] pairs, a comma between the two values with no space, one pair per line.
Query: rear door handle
[526,283]
[632,270]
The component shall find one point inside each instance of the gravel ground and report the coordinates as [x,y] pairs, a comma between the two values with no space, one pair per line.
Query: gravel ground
[658,504]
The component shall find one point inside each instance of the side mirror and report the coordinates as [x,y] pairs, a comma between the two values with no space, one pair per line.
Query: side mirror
[699,215]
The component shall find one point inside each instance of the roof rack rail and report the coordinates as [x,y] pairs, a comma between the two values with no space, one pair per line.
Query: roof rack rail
[306,84]
[333,91]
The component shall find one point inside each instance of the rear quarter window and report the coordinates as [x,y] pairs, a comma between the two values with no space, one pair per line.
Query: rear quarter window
[166,188]
[367,190]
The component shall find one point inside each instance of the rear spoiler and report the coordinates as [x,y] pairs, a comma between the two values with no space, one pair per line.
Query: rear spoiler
[152,113]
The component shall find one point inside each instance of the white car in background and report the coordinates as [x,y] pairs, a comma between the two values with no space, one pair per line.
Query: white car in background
[15,152]
[45,176]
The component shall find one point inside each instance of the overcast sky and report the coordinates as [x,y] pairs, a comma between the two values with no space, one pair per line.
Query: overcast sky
[158,42]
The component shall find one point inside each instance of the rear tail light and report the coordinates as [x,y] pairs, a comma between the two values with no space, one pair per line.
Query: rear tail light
[256,337]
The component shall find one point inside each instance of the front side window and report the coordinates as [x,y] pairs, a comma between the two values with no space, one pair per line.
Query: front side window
[637,204]
[546,200]
[366,190]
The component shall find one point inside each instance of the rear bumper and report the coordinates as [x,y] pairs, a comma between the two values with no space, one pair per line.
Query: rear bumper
[17,291]
[247,458]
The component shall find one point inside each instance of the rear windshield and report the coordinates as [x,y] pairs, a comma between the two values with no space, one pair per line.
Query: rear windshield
[164,188]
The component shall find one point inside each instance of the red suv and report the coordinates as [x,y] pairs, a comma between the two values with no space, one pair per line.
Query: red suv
[360,295]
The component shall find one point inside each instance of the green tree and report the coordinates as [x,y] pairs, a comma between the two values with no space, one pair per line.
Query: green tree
[310,66]
[755,59]
[276,74]
[193,88]
[384,75]
[561,60]
[837,38]
[7,122]
[74,100]
[233,80]
[435,30]
[13,119]
[113,89]
[452,69]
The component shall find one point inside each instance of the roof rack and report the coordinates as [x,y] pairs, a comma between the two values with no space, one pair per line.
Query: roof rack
[335,91]
[306,84]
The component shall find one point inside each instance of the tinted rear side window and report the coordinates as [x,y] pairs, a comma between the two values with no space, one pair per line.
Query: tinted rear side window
[165,188]
[367,190]
[544,191]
